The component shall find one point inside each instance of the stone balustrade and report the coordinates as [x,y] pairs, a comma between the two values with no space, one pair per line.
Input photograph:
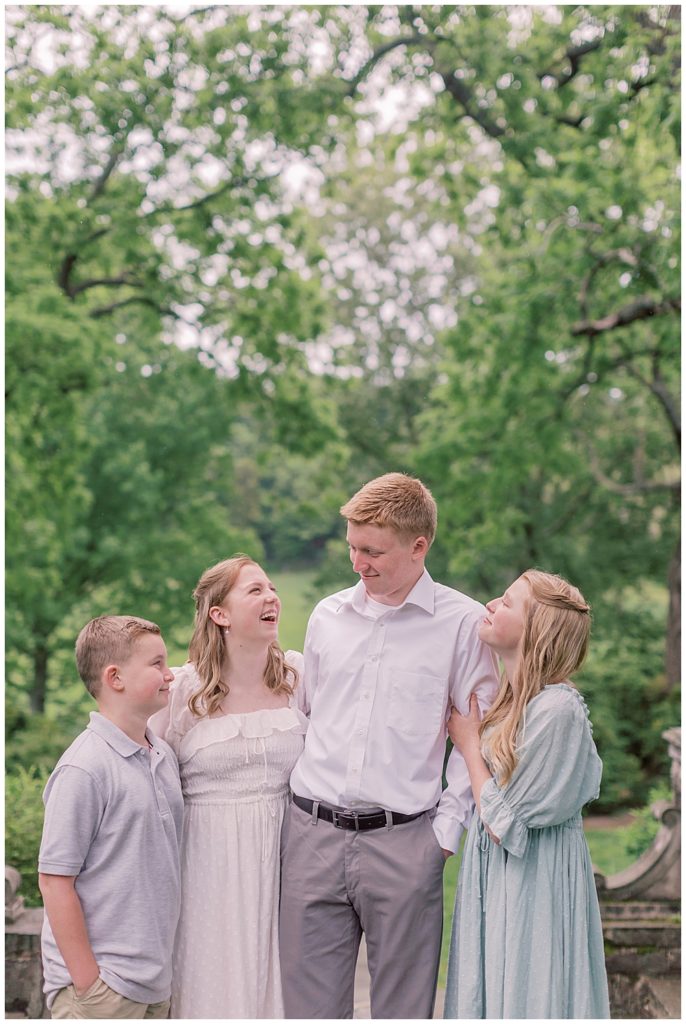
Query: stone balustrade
[641,908]
[23,971]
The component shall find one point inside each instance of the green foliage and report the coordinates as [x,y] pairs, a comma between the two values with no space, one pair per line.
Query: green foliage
[24,827]
[551,436]
[630,703]
[643,829]
[484,294]
[608,850]
[38,741]
[298,593]
[121,482]
[614,848]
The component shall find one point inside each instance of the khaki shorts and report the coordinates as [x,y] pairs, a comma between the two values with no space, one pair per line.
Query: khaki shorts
[100,1002]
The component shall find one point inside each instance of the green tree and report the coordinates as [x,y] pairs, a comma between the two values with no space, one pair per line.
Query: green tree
[145,217]
[481,288]
[175,130]
[554,434]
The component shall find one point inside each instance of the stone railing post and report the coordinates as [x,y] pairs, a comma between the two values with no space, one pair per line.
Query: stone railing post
[23,968]
[641,908]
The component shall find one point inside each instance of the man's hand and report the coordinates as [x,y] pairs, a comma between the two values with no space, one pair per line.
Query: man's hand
[447,853]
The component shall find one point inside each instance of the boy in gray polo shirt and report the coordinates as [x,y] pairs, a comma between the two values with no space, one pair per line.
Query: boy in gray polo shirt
[109,860]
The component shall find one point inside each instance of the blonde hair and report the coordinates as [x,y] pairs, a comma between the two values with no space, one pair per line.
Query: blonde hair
[108,640]
[553,646]
[396,500]
[207,650]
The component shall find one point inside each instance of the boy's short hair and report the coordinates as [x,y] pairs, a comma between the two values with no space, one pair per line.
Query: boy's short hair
[396,500]
[108,640]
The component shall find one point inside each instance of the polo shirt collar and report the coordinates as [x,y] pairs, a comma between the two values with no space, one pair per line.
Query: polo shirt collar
[422,595]
[113,735]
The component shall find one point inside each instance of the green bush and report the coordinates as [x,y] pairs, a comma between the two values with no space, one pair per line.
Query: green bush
[643,829]
[38,741]
[23,828]
[630,704]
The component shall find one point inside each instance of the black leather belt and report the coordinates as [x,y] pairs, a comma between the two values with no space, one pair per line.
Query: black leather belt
[353,821]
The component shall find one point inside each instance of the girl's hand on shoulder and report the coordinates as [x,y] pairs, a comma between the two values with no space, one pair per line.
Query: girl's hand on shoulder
[464,729]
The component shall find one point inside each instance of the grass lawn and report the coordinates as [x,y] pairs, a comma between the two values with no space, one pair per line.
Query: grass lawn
[452,868]
[296,590]
[607,848]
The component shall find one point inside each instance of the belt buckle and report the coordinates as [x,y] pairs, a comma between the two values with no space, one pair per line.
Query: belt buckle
[338,817]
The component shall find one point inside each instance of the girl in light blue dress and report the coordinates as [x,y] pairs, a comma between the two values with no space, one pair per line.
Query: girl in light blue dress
[527,940]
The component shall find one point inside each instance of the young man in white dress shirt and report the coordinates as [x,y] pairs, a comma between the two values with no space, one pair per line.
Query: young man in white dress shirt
[369,828]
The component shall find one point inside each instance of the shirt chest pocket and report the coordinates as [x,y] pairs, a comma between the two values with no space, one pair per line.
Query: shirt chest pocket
[417,703]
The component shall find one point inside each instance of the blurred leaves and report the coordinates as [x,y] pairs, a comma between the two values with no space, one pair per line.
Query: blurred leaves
[257,255]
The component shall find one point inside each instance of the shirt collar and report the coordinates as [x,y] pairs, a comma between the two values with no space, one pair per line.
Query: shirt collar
[422,595]
[113,735]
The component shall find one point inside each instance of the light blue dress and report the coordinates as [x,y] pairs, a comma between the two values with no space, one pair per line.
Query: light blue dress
[527,940]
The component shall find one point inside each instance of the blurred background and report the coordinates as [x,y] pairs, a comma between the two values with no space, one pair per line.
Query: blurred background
[257,255]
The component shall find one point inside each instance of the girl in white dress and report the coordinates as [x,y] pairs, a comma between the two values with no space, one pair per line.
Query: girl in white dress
[235,728]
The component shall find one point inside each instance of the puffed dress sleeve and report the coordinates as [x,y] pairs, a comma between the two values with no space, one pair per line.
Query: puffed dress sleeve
[557,773]
[173,722]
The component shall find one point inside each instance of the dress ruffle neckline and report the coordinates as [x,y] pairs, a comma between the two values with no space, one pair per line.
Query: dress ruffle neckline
[250,724]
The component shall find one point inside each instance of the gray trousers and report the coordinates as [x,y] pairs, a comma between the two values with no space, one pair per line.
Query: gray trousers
[335,884]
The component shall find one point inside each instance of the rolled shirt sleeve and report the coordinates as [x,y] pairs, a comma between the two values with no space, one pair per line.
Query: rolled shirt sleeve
[475,672]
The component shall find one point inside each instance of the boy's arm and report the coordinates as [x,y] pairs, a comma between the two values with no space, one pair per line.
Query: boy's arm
[65,914]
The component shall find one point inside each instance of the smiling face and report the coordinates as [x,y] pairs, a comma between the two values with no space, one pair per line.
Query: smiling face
[145,676]
[388,564]
[251,609]
[503,626]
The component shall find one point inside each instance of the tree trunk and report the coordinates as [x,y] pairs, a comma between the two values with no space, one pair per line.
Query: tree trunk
[673,652]
[40,679]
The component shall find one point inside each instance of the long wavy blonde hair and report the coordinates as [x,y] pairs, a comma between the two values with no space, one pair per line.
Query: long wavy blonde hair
[207,649]
[554,642]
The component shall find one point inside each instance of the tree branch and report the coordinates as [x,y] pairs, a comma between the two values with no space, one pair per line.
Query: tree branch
[144,300]
[96,235]
[633,489]
[574,55]
[460,92]
[571,122]
[107,282]
[191,14]
[454,86]
[381,51]
[64,273]
[233,183]
[166,208]
[67,266]
[641,309]
[659,388]
[624,255]
[99,186]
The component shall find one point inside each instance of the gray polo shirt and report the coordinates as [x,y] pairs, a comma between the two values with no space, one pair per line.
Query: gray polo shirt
[113,817]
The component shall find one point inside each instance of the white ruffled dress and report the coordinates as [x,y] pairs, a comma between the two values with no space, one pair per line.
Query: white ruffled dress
[234,774]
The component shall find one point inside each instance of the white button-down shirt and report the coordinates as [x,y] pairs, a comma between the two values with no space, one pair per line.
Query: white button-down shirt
[379,691]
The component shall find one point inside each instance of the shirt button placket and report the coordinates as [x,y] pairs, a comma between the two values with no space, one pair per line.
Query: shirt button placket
[363,715]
